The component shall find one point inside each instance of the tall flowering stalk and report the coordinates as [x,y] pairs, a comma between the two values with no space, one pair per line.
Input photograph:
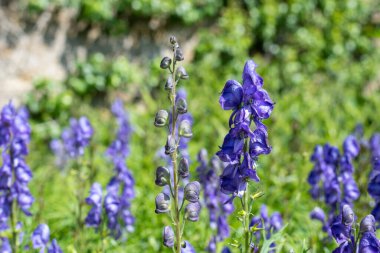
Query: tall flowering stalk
[179,127]
[245,141]
[115,208]
[74,140]
[208,173]
[14,173]
[332,181]
[374,179]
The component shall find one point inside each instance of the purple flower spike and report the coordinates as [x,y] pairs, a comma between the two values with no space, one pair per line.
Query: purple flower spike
[232,95]
[41,237]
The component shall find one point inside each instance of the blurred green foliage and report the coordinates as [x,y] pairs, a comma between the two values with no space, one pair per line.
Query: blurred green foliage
[320,65]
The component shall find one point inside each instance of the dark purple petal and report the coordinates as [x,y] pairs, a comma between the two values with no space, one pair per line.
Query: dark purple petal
[231,96]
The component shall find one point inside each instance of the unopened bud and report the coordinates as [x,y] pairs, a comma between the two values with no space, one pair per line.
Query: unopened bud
[162,176]
[181,73]
[165,62]
[169,83]
[181,106]
[162,203]
[178,54]
[348,216]
[192,191]
[161,118]
[183,168]
[168,237]
[192,211]
[185,129]
[173,40]
[170,146]
[368,224]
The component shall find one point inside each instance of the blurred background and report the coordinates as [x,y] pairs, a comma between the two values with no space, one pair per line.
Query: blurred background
[320,62]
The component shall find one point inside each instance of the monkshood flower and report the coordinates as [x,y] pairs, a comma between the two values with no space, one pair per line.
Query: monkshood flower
[245,142]
[173,177]
[15,174]
[40,240]
[374,179]
[214,199]
[41,237]
[77,137]
[270,224]
[120,189]
[241,147]
[94,217]
[331,179]
[343,232]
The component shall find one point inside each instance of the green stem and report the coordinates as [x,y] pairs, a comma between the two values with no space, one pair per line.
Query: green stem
[14,241]
[177,223]
[246,223]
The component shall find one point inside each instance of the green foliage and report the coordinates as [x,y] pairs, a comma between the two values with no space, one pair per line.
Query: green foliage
[318,60]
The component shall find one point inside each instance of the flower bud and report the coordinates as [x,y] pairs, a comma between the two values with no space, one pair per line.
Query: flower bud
[368,224]
[183,168]
[168,237]
[162,203]
[170,145]
[165,62]
[161,118]
[181,73]
[348,216]
[173,40]
[169,83]
[185,129]
[162,176]
[192,191]
[178,54]
[192,211]
[181,106]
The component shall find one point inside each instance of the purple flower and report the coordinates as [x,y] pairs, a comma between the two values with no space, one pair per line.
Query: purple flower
[242,146]
[232,95]
[54,247]
[351,146]
[94,217]
[77,137]
[41,237]
[168,236]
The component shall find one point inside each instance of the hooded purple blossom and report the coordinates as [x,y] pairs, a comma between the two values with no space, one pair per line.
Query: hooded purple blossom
[41,237]
[94,217]
[331,179]
[15,174]
[374,180]
[78,136]
[242,146]
[54,247]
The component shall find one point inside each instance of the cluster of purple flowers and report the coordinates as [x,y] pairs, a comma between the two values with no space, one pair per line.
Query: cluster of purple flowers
[41,238]
[15,174]
[270,224]
[249,102]
[374,179]
[331,179]
[343,230]
[73,142]
[120,189]
[215,200]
